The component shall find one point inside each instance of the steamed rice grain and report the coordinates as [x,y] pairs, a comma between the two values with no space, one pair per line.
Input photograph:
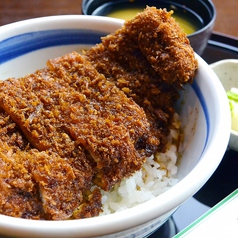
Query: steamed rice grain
[157,175]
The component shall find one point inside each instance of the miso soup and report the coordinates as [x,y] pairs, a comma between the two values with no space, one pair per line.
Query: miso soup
[188,20]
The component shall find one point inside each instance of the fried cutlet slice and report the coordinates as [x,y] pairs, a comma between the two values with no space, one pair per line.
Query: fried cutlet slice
[90,206]
[41,126]
[149,58]
[19,196]
[41,185]
[37,114]
[115,128]
[105,99]
[70,103]
[10,134]
[61,186]
[164,44]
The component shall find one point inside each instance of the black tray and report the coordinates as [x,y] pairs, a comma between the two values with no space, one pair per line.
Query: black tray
[220,47]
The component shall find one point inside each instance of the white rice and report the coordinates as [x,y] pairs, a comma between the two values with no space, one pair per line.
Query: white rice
[157,175]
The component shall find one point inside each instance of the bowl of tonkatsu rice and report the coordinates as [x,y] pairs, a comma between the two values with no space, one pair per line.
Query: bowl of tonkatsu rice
[107,126]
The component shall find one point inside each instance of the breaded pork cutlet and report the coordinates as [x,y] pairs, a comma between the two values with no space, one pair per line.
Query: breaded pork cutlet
[10,134]
[105,100]
[149,58]
[41,185]
[19,197]
[70,103]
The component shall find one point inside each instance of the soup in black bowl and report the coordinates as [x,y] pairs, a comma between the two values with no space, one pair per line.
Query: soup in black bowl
[196,17]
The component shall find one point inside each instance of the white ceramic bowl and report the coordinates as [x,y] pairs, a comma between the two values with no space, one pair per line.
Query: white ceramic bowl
[227,72]
[25,46]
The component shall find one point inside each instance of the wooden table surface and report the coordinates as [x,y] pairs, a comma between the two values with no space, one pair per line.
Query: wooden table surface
[15,10]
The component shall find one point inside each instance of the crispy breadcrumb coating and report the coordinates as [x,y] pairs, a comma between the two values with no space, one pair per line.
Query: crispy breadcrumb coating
[69,103]
[90,120]
[41,185]
[149,59]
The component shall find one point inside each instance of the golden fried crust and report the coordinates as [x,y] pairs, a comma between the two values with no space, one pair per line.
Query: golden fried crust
[57,184]
[164,44]
[103,99]
[60,188]
[105,122]
[151,40]
[39,185]
[69,105]
[90,206]
[19,196]
[9,133]
[149,59]
[38,113]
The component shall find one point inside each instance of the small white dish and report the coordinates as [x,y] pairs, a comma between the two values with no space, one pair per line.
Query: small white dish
[227,72]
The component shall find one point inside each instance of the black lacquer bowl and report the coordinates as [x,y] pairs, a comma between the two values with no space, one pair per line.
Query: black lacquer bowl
[203,12]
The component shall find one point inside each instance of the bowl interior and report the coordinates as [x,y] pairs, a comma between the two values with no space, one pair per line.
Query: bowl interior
[26,46]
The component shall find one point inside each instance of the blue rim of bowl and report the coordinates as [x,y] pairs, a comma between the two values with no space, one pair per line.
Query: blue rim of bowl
[22,44]
[18,45]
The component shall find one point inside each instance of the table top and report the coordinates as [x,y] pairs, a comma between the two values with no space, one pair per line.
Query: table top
[16,10]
